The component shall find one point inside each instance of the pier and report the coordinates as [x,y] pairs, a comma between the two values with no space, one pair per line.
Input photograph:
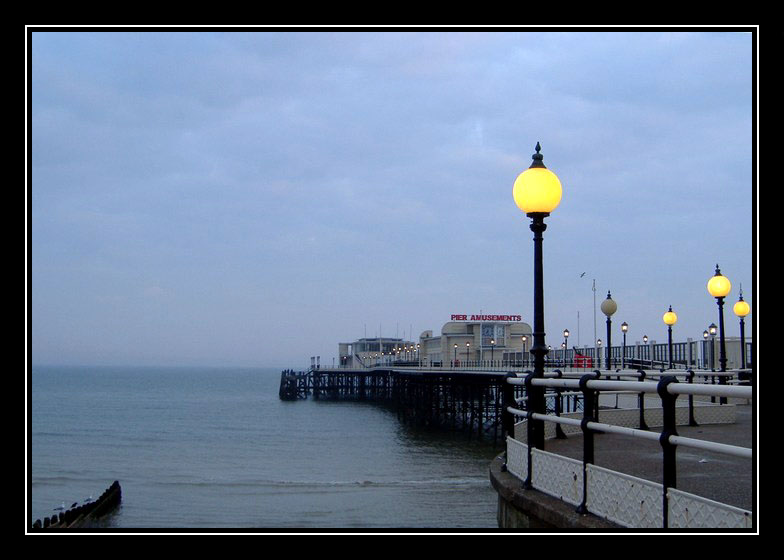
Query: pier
[464,400]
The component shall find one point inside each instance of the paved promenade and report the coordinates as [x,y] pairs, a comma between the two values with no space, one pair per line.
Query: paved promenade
[717,476]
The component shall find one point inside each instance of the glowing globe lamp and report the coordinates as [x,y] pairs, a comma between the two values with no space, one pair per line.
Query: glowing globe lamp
[741,308]
[718,285]
[537,190]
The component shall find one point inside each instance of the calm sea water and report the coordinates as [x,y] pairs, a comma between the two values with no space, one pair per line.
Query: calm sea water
[216,448]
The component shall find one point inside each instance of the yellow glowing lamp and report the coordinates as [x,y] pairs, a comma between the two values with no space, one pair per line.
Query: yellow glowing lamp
[718,285]
[741,308]
[670,318]
[537,189]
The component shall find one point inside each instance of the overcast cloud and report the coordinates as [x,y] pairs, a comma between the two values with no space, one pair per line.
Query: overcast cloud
[254,198]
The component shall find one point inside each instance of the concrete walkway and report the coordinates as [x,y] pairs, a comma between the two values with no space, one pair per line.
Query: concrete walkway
[716,476]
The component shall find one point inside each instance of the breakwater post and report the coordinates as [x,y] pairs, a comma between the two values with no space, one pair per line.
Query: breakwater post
[85,514]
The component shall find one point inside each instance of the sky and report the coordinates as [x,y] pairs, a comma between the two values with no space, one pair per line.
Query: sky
[232,197]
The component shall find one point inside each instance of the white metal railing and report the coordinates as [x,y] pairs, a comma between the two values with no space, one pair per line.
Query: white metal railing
[675,514]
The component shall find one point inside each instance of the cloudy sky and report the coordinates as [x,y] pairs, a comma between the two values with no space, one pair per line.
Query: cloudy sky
[253,198]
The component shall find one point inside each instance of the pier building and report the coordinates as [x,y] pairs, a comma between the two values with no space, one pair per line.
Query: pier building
[473,339]
[366,352]
[476,339]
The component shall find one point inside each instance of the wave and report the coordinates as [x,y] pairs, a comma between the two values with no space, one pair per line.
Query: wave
[58,480]
[462,481]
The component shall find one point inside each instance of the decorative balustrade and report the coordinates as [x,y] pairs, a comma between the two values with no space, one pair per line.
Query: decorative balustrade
[619,497]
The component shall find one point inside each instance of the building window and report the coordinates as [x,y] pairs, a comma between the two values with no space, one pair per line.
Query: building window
[488,332]
[493,332]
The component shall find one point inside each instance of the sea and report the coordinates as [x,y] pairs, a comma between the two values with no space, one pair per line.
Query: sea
[201,449]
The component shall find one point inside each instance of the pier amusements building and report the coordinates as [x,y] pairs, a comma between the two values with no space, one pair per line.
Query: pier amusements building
[465,339]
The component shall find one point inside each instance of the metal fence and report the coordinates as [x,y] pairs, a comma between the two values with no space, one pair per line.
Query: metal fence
[692,354]
[597,490]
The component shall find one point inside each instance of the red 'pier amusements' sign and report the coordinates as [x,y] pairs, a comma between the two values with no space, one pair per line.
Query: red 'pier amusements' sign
[502,318]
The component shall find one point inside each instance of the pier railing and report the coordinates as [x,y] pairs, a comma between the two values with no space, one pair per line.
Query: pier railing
[602,491]
[691,354]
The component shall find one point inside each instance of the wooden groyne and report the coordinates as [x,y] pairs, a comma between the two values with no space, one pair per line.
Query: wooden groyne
[465,401]
[86,514]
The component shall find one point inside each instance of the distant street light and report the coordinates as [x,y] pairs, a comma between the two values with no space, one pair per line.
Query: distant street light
[719,286]
[669,318]
[741,309]
[712,332]
[608,308]
[598,352]
[524,357]
[704,347]
[624,328]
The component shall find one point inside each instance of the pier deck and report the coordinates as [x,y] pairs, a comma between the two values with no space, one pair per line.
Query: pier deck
[716,476]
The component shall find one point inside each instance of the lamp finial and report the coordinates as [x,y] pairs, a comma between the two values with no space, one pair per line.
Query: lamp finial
[537,157]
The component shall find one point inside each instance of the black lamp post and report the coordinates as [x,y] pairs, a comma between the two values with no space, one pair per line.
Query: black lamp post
[608,308]
[669,318]
[492,350]
[565,344]
[719,286]
[524,361]
[704,348]
[468,348]
[741,309]
[624,328]
[712,328]
[537,192]
[454,362]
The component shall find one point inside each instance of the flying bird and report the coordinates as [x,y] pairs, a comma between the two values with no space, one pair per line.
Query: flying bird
[583,274]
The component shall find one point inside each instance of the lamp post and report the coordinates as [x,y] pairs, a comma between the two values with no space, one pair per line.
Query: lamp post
[524,358]
[705,339]
[624,328]
[712,332]
[719,286]
[645,342]
[454,362]
[669,318]
[492,349]
[565,344]
[468,348]
[741,309]
[537,192]
[608,308]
